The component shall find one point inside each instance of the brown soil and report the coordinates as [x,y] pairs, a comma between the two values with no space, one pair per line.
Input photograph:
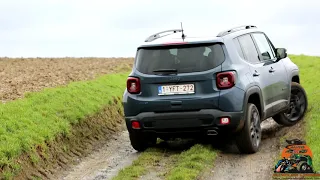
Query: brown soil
[20,75]
[60,154]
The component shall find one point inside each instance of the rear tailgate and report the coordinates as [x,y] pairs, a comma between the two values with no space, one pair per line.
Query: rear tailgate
[178,77]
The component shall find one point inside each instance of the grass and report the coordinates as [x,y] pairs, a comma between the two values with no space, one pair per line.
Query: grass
[40,117]
[140,166]
[309,78]
[192,162]
[187,165]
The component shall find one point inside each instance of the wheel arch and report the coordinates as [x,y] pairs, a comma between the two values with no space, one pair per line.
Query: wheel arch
[295,76]
[253,95]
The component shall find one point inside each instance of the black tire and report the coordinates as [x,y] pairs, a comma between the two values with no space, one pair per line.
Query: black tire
[140,142]
[303,167]
[249,138]
[298,107]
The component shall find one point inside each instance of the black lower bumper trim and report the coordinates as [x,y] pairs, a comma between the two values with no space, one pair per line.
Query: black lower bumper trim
[184,122]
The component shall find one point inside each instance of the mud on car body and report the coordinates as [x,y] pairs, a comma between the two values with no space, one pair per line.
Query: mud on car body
[230,83]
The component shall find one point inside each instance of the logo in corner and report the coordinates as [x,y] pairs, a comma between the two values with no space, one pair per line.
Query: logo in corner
[296,158]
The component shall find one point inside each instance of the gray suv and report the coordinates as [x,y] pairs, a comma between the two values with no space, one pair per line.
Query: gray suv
[196,87]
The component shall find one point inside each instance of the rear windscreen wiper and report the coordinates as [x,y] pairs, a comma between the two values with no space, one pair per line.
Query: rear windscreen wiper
[166,71]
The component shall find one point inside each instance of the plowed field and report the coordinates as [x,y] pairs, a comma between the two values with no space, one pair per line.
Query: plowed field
[21,75]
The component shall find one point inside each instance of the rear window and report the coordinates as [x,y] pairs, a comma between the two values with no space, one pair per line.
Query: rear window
[182,58]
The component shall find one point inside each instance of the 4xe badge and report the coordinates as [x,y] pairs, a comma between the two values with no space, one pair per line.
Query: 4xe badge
[297,159]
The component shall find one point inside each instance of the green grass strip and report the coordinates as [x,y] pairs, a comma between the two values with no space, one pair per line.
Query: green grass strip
[192,162]
[140,166]
[41,116]
[310,79]
[187,165]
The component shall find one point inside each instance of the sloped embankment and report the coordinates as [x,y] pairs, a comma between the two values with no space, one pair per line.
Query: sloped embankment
[47,130]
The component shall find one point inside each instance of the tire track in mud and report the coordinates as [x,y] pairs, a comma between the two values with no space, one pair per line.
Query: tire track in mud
[105,162]
[117,154]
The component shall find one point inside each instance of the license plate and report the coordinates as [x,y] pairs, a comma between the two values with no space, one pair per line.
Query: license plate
[176,89]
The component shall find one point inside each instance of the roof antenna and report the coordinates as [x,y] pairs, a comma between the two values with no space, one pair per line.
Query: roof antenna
[182,36]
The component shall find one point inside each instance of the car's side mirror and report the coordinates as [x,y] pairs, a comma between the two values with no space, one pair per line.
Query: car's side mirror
[281,53]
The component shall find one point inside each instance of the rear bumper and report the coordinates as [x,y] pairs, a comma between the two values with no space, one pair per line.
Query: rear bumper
[186,122]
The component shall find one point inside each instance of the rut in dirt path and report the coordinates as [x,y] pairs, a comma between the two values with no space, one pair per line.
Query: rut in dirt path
[230,164]
[107,161]
[118,153]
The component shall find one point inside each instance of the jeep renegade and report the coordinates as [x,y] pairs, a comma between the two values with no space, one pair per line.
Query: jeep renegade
[230,83]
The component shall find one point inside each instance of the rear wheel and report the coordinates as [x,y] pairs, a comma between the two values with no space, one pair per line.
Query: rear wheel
[140,141]
[303,167]
[249,138]
[298,107]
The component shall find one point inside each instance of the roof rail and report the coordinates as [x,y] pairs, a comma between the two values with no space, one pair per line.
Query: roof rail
[223,33]
[157,35]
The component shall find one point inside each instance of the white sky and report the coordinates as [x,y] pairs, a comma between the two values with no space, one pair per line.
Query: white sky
[77,28]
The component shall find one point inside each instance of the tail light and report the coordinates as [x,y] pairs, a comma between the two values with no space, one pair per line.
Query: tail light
[135,124]
[225,80]
[133,85]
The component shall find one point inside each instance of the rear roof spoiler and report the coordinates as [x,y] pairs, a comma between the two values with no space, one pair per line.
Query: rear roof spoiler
[158,35]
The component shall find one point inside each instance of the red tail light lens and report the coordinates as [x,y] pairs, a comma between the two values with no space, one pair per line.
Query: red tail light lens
[135,124]
[133,85]
[225,80]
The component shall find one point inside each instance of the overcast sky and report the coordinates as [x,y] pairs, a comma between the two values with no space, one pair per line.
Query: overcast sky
[112,28]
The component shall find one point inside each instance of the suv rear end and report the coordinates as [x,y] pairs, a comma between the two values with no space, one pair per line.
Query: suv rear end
[178,89]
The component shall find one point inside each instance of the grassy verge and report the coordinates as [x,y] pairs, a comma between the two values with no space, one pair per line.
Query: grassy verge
[170,165]
[192,162]
[34,123]
[309,78]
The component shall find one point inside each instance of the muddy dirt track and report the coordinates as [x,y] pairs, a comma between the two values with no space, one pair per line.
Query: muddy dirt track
[21,75]
[230,164]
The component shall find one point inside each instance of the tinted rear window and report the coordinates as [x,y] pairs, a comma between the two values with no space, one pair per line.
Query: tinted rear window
[184,58]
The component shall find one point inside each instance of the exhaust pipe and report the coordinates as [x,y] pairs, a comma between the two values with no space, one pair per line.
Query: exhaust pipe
[212,132]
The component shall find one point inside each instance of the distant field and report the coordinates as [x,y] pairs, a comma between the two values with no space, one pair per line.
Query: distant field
[20,75]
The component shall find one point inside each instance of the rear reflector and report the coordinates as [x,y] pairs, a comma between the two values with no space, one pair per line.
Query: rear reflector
[224,120]
[135,125]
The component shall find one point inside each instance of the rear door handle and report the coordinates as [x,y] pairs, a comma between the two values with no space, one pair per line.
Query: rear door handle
[256,74]
[271,70]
